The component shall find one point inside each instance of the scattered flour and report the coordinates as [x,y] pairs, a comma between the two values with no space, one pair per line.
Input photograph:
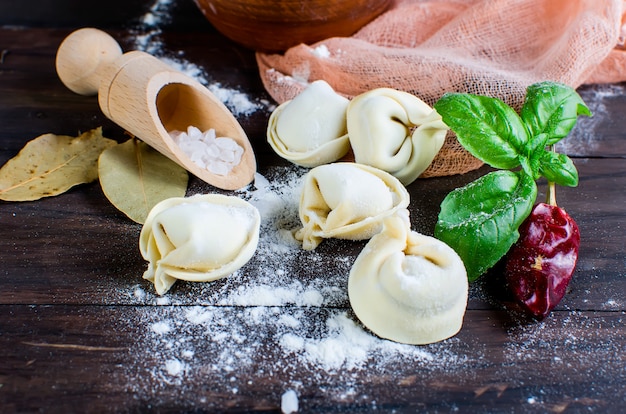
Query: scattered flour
[147,38]
[584,140]
[160,328]
[174,367]
[265,321]
[574,333]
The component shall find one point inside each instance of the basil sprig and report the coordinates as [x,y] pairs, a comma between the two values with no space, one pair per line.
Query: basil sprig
[480,221]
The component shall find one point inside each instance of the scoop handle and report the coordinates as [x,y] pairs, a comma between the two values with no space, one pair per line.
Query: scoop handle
[82,58]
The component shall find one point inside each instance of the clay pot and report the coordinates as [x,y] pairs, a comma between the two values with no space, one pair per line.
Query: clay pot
[276,25]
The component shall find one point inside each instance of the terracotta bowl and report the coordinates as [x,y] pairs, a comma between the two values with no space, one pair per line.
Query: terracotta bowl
[276,25]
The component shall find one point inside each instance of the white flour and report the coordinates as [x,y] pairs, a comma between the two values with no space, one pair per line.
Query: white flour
[267,319]
[584,139]
[147,38]
[263,305]
[282,319]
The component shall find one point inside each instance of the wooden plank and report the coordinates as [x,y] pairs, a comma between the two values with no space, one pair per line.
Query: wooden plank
[77,248]
[205,358]
[601,135]
[109,14]
[81,331]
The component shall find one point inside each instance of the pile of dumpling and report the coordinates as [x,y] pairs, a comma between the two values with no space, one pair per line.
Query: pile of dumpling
[403,286]
[387,129]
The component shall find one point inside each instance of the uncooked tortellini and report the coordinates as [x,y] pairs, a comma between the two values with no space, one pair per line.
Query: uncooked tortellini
[347,201]
[394,131]
[408,287]
[310,130]
[199,238]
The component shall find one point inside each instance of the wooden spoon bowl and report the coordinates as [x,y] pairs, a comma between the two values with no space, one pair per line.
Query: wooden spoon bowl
[276,25]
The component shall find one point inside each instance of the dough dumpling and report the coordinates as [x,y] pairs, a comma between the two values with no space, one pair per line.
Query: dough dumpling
[198,239]
[310,130]
[394,131]
[408,287]
[347,201]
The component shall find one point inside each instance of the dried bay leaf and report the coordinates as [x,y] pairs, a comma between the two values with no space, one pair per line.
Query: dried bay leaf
[135,177]
[51,164]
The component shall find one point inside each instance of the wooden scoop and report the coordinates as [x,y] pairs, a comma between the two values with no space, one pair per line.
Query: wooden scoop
[149,99]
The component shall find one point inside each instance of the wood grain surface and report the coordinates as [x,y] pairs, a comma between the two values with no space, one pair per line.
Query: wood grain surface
[81,331]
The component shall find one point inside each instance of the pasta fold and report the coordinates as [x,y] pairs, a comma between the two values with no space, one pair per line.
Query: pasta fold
[394,131]
[347,201]
[199,239]
[408,287]
[310,130]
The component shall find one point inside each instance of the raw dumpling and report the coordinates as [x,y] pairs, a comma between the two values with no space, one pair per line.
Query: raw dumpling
[199,238]
[394,131]
[310,130]
[408,287]
[347,201]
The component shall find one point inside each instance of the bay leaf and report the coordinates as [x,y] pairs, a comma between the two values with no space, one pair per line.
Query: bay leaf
[135,177]
[51,164]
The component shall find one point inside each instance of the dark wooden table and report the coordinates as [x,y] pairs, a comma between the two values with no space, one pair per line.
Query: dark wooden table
[81,331]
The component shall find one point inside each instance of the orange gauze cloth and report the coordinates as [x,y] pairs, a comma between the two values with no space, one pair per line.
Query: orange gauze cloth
[488,47]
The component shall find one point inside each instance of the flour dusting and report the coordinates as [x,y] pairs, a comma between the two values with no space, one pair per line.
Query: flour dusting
[284,317]
[148,38]
[584,139]
[271,318]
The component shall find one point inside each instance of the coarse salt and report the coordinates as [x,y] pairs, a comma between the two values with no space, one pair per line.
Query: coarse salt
[289,402]
[174,367]
[321,51]
[218,155]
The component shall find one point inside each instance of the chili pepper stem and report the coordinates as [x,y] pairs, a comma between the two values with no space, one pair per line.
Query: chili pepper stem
[551,196]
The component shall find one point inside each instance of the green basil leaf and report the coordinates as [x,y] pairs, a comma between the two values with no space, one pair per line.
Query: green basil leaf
[558,168]
[552,108]
[480,221]
[531,168]
[487,127]
[537,143]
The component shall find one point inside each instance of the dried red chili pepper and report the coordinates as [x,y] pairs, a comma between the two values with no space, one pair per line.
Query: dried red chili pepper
[540,264]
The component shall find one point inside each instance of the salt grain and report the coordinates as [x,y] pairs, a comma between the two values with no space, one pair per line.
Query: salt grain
[321,51]
[174,367]
[218,155]
[289,402]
